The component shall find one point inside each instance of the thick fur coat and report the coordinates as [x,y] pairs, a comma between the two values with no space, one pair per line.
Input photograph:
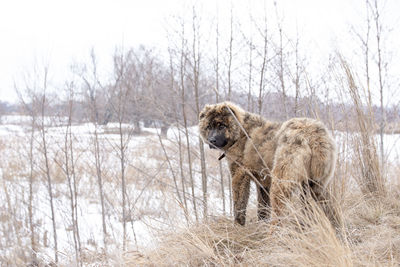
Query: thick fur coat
[281,158]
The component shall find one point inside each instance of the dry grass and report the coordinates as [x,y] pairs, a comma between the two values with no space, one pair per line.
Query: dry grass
[370,236]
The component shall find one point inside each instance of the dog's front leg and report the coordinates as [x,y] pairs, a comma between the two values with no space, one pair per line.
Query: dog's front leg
[241,191]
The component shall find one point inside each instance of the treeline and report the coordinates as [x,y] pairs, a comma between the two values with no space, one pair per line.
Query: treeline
[158,105]
[210,58]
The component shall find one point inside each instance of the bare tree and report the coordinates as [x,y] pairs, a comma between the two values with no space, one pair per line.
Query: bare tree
[69,170]
[264,34]
[281,71]
[296,79]
[378,29]
[177,121]
[91,86]
[182,75]
[230,57]
[67,165]
[74,186]
[365,41]
[29,108]
[120,93]
[250,79]
[217,99]
[196,57]
[45,154]
[373,18]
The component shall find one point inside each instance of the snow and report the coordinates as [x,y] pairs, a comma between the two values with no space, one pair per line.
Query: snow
[147,174]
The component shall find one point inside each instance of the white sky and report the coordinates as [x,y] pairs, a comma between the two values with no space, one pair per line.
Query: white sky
[63,31]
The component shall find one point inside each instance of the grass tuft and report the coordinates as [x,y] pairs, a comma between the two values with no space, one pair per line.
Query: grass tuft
[369,236]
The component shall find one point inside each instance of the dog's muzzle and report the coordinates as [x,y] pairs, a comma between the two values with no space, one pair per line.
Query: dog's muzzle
[217,141]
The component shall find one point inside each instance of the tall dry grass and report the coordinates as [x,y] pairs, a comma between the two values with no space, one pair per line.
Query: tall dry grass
[369,236]
[371,178]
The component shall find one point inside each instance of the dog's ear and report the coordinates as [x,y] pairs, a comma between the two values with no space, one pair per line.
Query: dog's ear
[236,110]
[230,109]
[204,111]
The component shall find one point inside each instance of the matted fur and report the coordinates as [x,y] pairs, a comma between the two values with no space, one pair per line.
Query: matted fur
[284,159]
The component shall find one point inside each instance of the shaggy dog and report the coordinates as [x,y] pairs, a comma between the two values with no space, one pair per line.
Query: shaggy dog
[282,158]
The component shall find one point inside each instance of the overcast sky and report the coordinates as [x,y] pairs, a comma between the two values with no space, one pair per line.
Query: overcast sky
[63,31]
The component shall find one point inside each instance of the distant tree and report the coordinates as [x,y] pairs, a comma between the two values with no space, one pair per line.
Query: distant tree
[93,96]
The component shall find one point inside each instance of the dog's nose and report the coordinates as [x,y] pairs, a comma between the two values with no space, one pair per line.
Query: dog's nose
[212,140]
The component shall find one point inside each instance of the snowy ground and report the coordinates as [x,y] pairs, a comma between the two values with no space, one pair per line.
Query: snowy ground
[153,204]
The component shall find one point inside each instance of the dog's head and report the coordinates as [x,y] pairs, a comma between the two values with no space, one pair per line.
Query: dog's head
[219,124]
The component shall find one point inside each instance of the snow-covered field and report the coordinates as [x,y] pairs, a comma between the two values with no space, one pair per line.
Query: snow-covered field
[152,198]
[152,206]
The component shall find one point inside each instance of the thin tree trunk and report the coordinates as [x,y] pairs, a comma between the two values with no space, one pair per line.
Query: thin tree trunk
[183,104]
[366,54]
[100,184]
[75,192]
[196,74]
[123,186]
[230,58]
[297,78]
[190,165]
[32,113]
[47,174]
[30,201]
[179,143]
[249,100]
[122,92]
[122,96]
[182,173]
[262,73]
[381,89]
[217,101]
[91,88]
[72,193]
[281,73]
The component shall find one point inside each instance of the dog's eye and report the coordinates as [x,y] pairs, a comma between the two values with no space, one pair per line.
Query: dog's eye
[221,126]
